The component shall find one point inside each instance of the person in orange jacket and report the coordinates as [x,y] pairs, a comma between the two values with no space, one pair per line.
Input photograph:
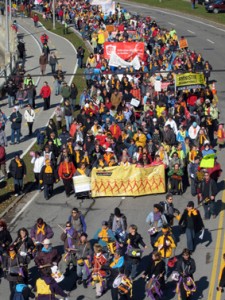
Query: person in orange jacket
[66,171]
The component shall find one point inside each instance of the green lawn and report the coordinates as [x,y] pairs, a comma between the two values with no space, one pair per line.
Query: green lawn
[185,7]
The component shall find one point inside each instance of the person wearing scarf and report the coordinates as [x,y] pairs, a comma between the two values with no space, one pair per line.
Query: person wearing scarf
[166,245]
[18,170]
[47,255]
[48,177]
[104,235]
[191,222]
[186,268]
[155,273]
[66,171]
[69,237]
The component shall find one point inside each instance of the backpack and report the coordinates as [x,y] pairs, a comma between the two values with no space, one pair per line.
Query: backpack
[42,287]
[18,295]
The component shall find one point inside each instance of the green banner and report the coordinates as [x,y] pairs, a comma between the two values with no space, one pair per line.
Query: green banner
[191,80]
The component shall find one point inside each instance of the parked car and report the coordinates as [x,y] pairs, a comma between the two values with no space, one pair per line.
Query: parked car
[216,6]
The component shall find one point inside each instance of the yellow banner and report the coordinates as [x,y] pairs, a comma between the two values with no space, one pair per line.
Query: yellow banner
[127,181]
[189,79]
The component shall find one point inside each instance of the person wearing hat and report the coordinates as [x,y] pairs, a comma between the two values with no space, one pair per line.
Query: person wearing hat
[156,219]
[104,235]
[207,194]
[186,268]
[207,149]
[48,177]
[41,231]
[83,257]
[191,222]
[48,255]
[18,170]
[166,245]
[193,132]
[108,155]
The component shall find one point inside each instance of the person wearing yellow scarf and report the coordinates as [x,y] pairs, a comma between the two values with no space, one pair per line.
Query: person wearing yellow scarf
[41,229]
[19,165]
[191,221]
[48,177]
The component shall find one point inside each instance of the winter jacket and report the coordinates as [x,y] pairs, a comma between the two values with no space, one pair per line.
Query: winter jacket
[186,267]
[48,178]
[45,91]
[15,171]
[16,119]
[44,258]
[54,287]
[165,244]
[6,239]
[78,223]
[66,170]
[29,115]
[43,60]
[48,233]
[2,155]
[196,219]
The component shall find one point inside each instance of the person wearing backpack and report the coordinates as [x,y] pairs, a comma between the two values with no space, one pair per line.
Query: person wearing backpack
[77,220]
[22,291]
[46,287]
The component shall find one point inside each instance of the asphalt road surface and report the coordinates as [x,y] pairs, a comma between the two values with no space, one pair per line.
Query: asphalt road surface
[209,41]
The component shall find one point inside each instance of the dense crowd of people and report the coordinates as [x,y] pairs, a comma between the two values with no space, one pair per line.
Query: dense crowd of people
[104,128]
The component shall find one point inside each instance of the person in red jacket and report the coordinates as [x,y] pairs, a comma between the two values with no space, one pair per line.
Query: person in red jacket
[36,20]
[66,171]
[115,130]
[45,93]
[44,38]
[3,161]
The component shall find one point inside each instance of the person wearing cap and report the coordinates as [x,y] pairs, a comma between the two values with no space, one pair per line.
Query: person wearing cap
[207,194]
[83,256]
[108,155]
[77,220]
[48,177]
[166,245]
[186,267]
[104,235]
[18,171]
[193,132]
[47,255]
[191,222]
[41,231]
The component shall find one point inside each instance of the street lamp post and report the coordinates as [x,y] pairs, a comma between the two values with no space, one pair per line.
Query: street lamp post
[6,27]
[10,11]
[53,14]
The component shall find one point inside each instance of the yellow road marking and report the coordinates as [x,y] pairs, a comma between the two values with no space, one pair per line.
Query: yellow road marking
[219,294]
[213,278]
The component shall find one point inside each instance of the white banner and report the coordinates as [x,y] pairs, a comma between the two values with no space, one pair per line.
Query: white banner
[82,183]
[116,61]
[108,6]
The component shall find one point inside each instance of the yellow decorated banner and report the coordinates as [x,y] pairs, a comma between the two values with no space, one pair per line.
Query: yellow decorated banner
[189,80]
[127,181]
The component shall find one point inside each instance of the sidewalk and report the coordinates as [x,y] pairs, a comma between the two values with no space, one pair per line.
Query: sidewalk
[66,54]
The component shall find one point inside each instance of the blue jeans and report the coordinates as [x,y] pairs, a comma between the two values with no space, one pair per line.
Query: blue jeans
[17,133]
[11,101]
[82,272]
[209,209]
[18,185]
[190,234]
[68,122]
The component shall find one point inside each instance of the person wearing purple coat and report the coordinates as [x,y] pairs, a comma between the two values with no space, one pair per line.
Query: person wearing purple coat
[46,286]
[41,231]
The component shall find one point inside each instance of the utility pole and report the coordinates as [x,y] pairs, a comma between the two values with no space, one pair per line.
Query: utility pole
[53,14]
[10,12]
[6,27]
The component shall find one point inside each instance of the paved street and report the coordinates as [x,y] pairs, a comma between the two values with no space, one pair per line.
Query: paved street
[56,210]
[66,54]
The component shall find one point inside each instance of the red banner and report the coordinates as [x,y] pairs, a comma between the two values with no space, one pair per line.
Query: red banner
[125,50]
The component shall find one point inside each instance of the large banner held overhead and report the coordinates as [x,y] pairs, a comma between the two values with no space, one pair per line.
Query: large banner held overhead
[127,181]
[125,50]
[189,80]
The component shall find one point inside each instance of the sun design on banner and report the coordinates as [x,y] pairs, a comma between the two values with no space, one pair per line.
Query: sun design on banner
[130,181]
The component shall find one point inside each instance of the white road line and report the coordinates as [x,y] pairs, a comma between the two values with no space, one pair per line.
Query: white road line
[191,31]
[210,41]
[176,15]
[172,24]
[24,207]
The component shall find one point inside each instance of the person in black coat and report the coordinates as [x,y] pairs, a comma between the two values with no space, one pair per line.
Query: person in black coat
[155,269]
[48,177]
[16,122]
[221,286]
[134,240]
[18,170]
[5,237]
[191,221]
[186,268]
[24,289]
[207,194]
